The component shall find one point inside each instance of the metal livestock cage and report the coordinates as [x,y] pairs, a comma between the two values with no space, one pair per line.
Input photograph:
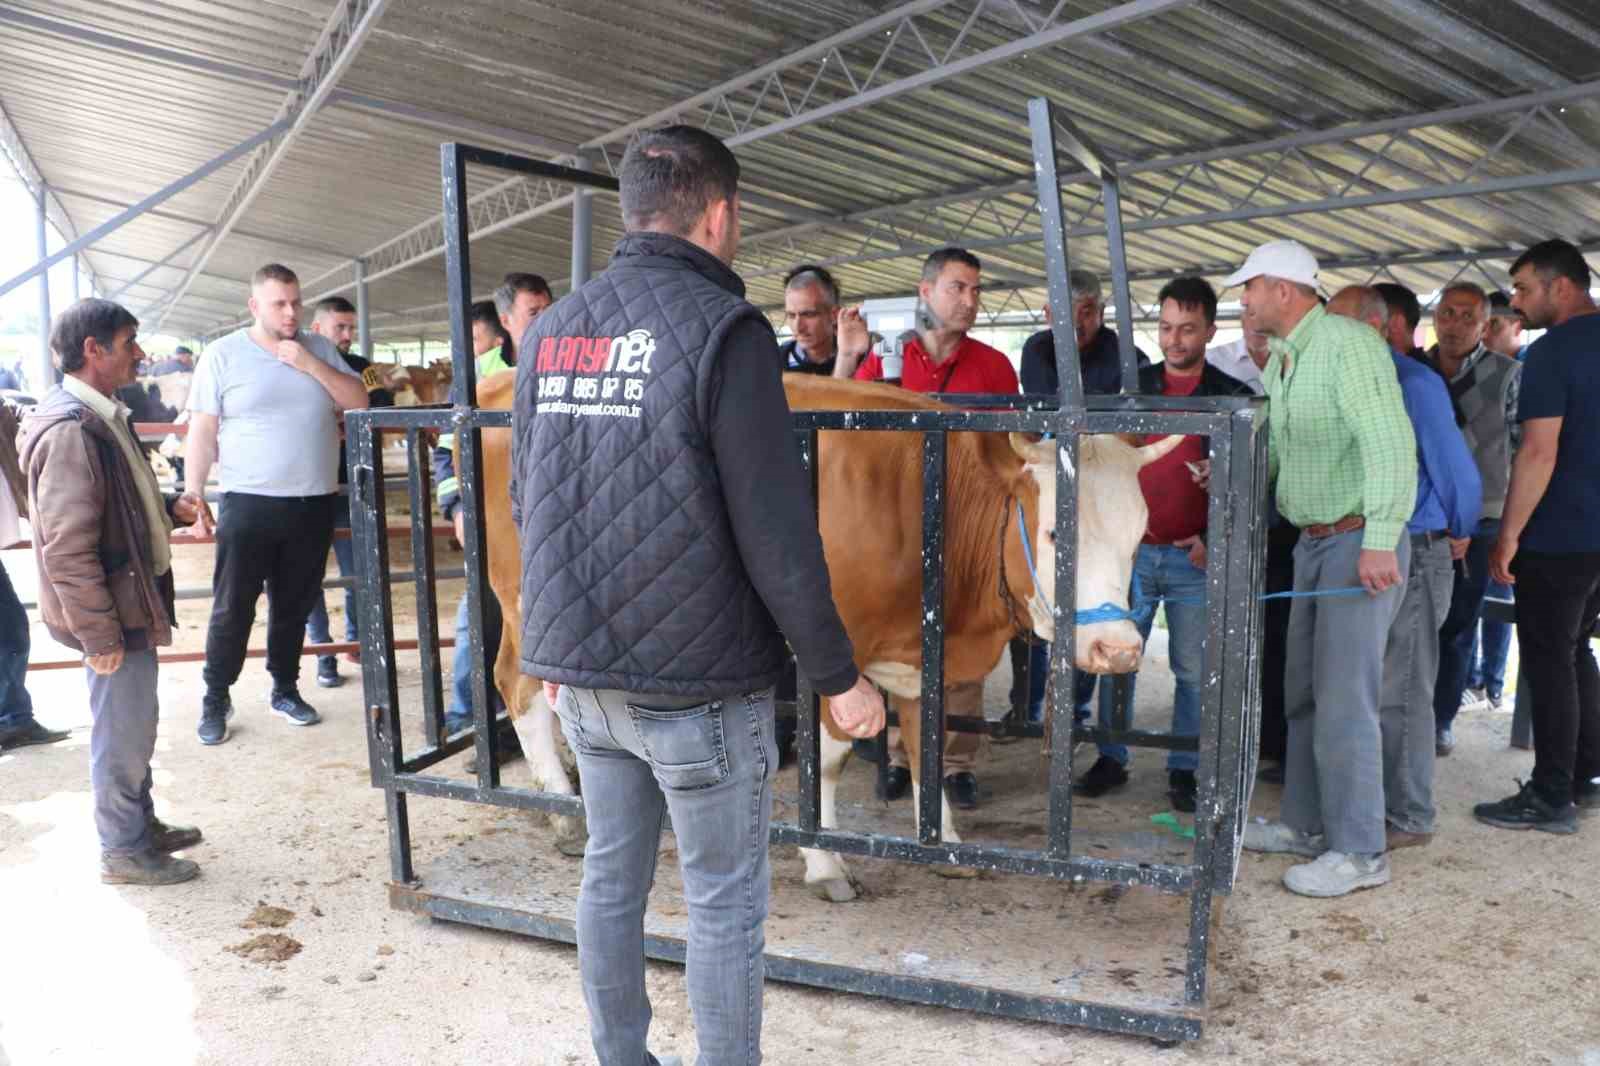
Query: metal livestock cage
[531,894]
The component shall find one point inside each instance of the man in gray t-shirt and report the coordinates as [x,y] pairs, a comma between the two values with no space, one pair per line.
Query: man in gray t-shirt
[265,407]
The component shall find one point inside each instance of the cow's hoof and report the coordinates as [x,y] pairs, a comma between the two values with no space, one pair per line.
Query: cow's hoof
[955,873]
[571,836]
[833,890]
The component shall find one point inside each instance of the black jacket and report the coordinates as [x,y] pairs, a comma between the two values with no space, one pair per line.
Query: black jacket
[665,520]
[1101,363]
[795,363]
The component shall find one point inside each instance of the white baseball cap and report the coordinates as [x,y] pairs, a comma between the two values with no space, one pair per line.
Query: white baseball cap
[1289,260]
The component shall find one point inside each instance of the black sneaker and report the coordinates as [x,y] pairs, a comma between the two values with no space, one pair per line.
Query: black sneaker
[1528,810]
[295,710]
[1105,775]
[1182,790]
[328,672]
[893,785]
[214,715]
[962,789]
[1587,797]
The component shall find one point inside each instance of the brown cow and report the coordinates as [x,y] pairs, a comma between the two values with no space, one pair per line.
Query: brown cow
[870,491]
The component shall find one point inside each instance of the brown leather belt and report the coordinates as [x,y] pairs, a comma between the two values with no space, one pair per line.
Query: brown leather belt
[1344,525]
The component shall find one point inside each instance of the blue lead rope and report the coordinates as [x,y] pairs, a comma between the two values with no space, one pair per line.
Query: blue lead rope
[1140,609]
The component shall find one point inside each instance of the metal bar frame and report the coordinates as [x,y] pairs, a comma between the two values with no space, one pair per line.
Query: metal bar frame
[1232,424]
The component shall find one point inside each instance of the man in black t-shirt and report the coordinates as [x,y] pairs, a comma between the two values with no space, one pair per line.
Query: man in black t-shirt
[1549,541]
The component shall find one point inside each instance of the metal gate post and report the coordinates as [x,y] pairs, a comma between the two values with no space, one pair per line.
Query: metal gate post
[44,367]
[363,316]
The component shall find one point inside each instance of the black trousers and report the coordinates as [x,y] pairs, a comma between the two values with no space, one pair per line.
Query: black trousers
[279,543]
[1279,577]
[1558,602]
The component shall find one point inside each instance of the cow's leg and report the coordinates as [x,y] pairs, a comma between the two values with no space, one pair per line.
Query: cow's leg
[539,733]
[825,871]
[911,736]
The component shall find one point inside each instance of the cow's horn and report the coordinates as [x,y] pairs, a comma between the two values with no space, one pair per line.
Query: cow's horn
[1031,449]
[1156,449]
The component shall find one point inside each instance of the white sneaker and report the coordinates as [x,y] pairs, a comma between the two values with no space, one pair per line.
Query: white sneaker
[1335,873]
[1473,698]
[1275,837]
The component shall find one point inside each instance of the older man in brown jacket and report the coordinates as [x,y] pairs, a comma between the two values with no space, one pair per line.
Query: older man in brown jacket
[100,534]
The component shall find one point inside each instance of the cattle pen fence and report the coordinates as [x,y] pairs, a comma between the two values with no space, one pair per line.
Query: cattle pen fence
[1045,872]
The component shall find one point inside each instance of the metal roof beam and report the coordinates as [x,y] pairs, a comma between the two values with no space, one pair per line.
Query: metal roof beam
[153,267]
[760,92]
[1307,139]
[248,75]
[1551,179]
[15,149]
[121,219]
[332,55]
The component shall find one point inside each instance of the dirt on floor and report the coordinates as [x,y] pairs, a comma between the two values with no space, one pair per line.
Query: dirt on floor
[1484,949]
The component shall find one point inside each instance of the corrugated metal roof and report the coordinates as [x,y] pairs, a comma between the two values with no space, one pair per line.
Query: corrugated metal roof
[110,106]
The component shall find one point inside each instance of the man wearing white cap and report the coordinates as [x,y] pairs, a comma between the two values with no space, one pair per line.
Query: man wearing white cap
[1345,460]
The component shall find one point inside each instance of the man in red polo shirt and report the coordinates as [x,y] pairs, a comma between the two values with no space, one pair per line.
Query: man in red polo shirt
[942,358]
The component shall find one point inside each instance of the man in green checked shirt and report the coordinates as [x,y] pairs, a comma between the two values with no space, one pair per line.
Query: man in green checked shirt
[1345,460]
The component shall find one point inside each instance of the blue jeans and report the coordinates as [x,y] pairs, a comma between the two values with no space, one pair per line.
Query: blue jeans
[710,765]
[16,706]
[460,710]
[1461,624]
[1490,646]
[1165,573]
[344,552]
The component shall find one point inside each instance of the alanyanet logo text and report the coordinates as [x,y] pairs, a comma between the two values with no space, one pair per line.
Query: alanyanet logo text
[586,376]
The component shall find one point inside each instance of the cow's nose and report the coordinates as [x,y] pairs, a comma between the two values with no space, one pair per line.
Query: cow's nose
[1115,657]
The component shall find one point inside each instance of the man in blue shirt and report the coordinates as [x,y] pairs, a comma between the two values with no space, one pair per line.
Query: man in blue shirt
[1549,544]
[1449,498]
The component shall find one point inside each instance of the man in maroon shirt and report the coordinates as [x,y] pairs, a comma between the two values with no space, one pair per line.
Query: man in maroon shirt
[942,358]
[1170,566]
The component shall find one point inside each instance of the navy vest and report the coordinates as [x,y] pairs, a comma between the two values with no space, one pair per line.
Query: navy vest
[630,575]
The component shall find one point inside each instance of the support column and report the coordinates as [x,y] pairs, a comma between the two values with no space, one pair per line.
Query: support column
[363,320]
[582,234]
[77,275]
[422,351]
[44,373]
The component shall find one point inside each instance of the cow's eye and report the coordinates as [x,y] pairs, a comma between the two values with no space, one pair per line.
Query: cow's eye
[1050,535]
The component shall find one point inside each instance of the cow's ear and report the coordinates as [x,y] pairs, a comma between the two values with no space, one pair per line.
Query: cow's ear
[1031,448]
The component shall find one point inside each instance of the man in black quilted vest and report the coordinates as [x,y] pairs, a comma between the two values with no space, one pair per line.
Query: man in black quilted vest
[669,546]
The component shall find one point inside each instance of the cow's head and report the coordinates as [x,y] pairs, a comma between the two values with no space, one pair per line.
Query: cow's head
[1111,522]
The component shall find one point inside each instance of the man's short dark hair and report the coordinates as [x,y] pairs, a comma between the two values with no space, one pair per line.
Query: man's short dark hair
[671,175]
[335,305]
[1554,259]
[1189,293]
[91,317]
[1399,298]
[274,272]
[505,297]
[807,274]
[182,349]
[934,265]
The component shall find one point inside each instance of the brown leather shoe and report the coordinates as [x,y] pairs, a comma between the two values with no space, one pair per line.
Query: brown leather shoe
[1396,839]
[33,733]
[169,838]
[147,867]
